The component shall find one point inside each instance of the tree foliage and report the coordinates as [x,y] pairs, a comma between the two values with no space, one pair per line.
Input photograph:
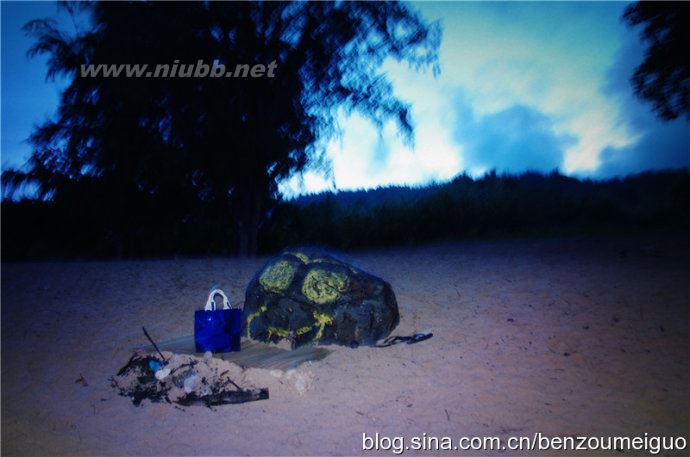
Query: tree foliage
[170,146]
[663,78]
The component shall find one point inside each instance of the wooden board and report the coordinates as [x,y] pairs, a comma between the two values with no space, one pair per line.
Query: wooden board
[254,354]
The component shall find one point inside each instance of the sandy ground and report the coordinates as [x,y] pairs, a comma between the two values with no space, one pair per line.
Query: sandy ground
[564,337]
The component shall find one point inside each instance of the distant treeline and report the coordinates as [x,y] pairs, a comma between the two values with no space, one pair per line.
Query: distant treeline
[529,204]
[492,206]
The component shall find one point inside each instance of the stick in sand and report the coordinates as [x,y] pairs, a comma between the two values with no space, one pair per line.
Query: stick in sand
[154,344]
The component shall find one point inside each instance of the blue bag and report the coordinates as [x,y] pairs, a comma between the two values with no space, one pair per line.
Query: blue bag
[217,330]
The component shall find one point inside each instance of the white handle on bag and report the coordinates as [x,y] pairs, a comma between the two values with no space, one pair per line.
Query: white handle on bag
[211,303]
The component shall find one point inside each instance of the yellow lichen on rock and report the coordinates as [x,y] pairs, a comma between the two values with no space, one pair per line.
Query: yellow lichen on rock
[322,286]
[322,320]
[251,317]
[279,332]
[300,255]
[303,330]
[277,277]
[285,333]
[309,260]
[324,260]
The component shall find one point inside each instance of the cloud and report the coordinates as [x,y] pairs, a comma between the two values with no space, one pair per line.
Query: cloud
[365,158]
[657,144]
[663,147]
[548,56]
[513,140]
[523,86]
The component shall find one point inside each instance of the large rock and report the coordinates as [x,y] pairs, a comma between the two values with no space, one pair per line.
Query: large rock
[307,295]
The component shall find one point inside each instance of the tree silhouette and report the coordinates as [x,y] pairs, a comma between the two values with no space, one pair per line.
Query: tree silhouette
[664,76]
[218,143]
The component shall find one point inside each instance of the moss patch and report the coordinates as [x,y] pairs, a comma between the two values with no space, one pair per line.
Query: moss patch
[277,277]
[322,286]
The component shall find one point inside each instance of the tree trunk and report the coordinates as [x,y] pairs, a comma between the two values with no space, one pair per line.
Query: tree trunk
[242,241]
[248,218]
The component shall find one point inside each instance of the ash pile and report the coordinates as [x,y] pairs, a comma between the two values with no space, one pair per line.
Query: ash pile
[184,379]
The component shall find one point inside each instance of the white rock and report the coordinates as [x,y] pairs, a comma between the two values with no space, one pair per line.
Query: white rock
[191,383]
[162,373]
[208,355]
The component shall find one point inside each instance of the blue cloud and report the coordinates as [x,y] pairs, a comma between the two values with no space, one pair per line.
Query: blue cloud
[513,140]
[663,147]
[661,144]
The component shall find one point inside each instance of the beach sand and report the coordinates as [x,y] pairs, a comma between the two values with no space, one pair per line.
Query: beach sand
[564,337]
